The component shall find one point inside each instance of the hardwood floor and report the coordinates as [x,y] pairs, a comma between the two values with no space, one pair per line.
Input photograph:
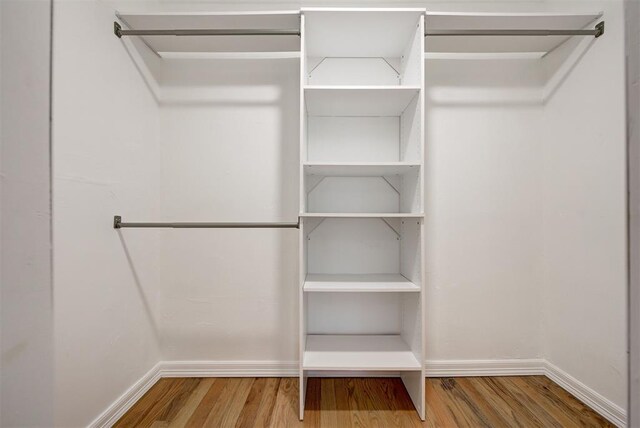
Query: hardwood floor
[528,401]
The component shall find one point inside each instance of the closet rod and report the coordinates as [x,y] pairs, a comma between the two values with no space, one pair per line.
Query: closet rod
[118,224]
[596,32]
[118,31]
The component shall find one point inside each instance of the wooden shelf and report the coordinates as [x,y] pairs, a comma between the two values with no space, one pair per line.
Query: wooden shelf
[501,21]
[368,283]
[359,169]
[276,20]
[363,215]
[354,352]
[358,100]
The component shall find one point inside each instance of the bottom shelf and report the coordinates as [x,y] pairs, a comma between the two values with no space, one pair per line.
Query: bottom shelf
[359,352]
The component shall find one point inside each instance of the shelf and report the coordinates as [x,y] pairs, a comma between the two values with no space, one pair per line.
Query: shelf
[360,169]
[276,20]
[354,352]
[501,21]
[358,100]
[361,32]
[371,283]
[363,215]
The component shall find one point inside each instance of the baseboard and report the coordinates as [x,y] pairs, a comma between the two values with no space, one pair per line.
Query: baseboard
[508,367]
[606,408]
[229,369]
[119,407]
[434,368]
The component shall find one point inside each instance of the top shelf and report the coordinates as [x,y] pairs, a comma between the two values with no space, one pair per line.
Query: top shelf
[269,20]
[502,21]
[359,32]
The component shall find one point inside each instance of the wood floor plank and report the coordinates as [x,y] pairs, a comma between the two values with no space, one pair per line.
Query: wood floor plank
[508,406]
[341,389]
[226,410]
[465,412]
[584,415]
[192,402]
[490,414]
[440,414]
[528,402]
[531,401]
[563,414]
[155,412]
[259,404]
[328,405]
[368,405]
[392,392]
[285,409]
[144,404]
[209,400]
[177,403]
[312,405]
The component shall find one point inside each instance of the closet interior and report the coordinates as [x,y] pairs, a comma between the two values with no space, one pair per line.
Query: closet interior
[361,160]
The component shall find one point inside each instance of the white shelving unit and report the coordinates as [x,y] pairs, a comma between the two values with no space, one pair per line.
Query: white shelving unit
[361,203]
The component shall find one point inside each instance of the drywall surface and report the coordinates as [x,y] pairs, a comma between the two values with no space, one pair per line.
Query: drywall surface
[106,161]
[229,133]
[584,211]
[26,365]
[482,203]
[632,45]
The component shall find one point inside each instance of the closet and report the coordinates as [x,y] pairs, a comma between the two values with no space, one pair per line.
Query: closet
[362,159]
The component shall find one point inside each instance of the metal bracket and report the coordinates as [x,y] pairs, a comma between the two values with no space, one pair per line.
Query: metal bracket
[599,29]
[117,220]
[117,29]
[391,227]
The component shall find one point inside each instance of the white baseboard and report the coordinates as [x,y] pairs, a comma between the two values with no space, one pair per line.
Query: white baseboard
[119,407]
[434,368]
[606,408]
[507,367]
[228,369]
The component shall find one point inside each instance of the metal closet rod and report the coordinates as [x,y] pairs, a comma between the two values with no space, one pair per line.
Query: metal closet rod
[118,31]
[596,32]
[118,224]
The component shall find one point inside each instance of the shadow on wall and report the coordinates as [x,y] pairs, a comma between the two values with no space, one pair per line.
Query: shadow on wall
[139,288]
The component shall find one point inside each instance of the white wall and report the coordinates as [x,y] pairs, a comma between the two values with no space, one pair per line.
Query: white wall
[230,153]
[583,185]
[483,209]
[26,364]
[106,161]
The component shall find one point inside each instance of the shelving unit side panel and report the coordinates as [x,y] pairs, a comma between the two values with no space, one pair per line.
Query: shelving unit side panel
[422,111]
[412,57]
[411,131]
[302,245]
[411,191]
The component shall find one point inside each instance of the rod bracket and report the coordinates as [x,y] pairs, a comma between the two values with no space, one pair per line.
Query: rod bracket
[599,29]
[117,29]
[117,221]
